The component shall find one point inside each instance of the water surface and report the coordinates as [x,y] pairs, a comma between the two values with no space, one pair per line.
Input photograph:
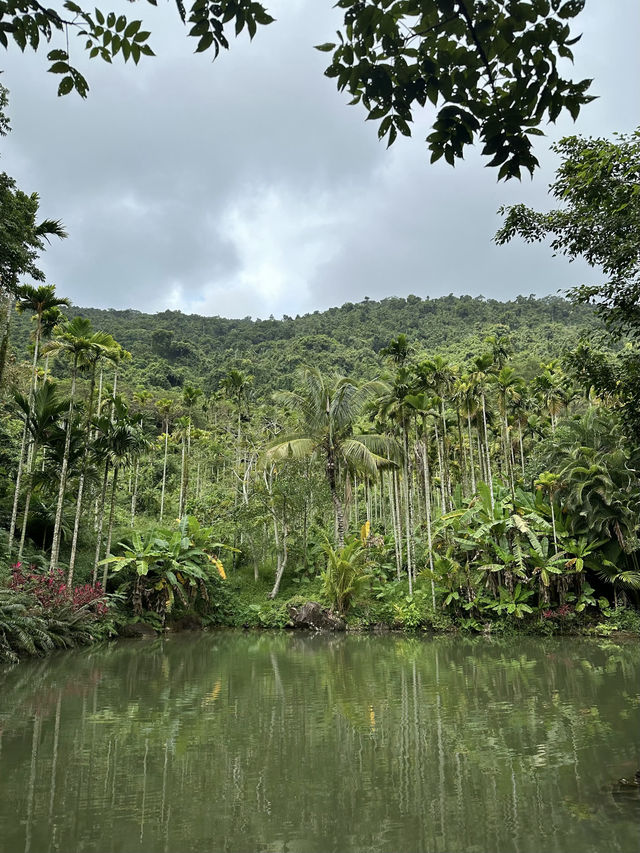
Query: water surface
[278,742]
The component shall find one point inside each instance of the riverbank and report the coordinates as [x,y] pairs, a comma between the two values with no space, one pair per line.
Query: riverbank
[39,614]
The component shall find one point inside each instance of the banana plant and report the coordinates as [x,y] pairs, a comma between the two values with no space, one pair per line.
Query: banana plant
[168,564]
[514,602]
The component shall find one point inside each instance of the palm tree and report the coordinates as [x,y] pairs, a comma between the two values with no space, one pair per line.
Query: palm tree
[41,413]
[395,405]
[116,442]
[37,234]
[509,391]
[480,377]
[102,347]
[39,300]
[397,350]
[190,395]
[73,339]
[165,408]
[327,408]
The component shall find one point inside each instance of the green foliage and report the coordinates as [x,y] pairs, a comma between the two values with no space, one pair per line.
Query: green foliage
[107,34]
[490,68]
[345,575]
[166,564]
[29,628]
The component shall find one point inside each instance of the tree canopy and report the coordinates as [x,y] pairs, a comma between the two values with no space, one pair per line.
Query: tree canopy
[598,186]
[489,69]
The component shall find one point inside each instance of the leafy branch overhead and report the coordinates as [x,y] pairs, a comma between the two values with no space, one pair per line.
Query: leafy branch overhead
[107,34]
[489,68]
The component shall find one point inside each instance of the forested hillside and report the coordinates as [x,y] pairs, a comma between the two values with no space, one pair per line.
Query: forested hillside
[171,348]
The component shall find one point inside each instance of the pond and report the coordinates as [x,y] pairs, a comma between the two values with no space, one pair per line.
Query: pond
[289,742]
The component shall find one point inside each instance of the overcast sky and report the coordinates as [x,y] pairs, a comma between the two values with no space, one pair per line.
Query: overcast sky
[248,187]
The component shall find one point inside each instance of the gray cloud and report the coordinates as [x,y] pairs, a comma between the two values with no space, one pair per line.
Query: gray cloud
[247,186]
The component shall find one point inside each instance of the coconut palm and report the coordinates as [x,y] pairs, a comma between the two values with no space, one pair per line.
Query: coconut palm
[327,409]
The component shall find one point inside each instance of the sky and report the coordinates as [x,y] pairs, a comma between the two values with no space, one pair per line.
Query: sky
[248,187]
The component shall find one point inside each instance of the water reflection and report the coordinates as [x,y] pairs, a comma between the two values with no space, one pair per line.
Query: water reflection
[242,742]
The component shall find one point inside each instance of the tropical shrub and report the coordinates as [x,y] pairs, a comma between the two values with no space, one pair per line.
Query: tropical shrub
[164,565]
[344,575]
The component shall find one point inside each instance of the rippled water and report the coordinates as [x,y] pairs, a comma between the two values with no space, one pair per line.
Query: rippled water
[280,742]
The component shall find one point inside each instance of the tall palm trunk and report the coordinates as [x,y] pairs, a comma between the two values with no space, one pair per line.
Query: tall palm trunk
[396,536]
[427,504]
[55,543]
[443,500]
[114,483]
[102,500]
[486,441]
[164,466]
[25,445]
[83,475]
[4,345]
[408,504]
[182,498]
[337,503]
[134,493]
[471,460]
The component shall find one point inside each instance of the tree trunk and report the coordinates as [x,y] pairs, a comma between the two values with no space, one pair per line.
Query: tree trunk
[112,508]
[486,441]
[16,494]
[55,543]
[164,467]
[4,346]
[427,503]
[102,499]
[471,461]
[134,494]
[396,536]
[24,445]
[337,504]
[281,558]
[182,480]
[83,475]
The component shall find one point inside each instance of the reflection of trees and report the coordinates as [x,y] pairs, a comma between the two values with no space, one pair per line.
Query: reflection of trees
[276,741]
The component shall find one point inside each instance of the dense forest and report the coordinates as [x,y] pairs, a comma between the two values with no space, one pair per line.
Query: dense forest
[171,348]
[443,462]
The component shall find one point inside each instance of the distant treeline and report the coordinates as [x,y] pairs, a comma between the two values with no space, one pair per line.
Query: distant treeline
[171,348]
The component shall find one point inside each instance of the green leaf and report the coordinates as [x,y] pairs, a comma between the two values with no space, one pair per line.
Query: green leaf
[66,85]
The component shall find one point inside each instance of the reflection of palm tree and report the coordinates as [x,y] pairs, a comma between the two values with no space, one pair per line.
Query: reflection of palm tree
[327,409]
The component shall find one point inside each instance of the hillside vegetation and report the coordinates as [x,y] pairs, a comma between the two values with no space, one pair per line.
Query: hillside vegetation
[171,348]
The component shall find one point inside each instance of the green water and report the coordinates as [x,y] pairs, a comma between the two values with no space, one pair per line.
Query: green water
[279,742]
